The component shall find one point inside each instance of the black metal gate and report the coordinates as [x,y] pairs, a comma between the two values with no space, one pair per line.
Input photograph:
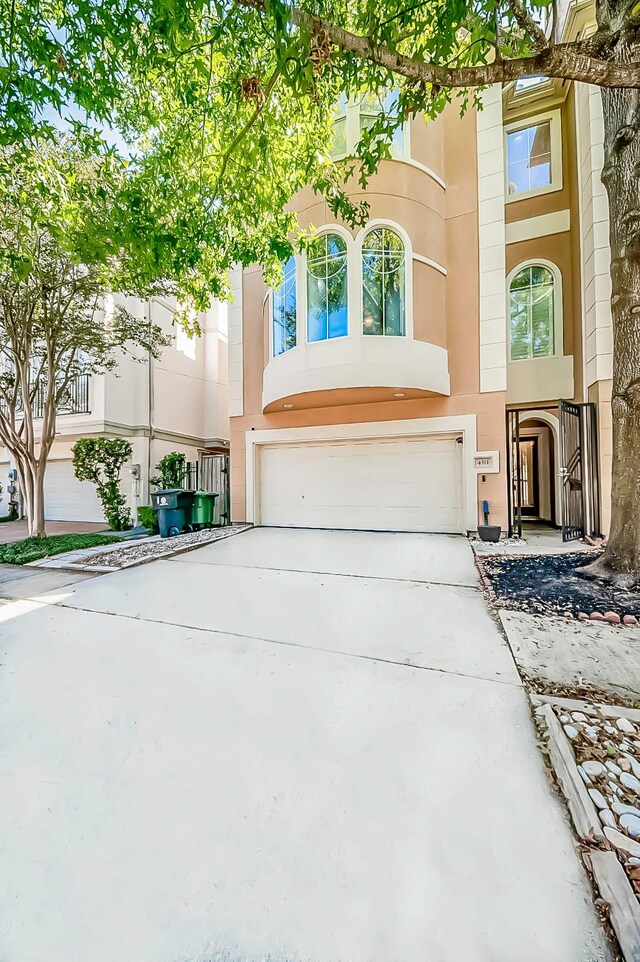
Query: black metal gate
[514,480]
[214,476]
[579,510]
[579,470]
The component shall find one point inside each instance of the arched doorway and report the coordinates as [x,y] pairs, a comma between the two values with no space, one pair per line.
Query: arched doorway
[552,467]
[539,453]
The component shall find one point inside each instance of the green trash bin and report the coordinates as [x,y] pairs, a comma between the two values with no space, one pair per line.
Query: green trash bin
[174,507]
[202,511]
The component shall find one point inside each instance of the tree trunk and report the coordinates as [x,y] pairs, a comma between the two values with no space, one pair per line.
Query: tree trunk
[620,563]
[26,485]
[33,492]
[37,526]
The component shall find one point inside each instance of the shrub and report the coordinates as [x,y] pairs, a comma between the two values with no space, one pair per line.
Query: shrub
[172,468]
[147,517]
[100,461]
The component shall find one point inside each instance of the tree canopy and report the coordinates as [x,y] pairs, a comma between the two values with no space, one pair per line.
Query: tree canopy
[58,261]
[218,112]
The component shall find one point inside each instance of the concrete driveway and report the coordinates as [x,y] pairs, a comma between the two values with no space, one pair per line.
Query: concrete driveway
[289,745]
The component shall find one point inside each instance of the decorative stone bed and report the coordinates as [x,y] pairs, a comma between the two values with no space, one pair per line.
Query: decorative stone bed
[595,754]
[548,585]
[128,554]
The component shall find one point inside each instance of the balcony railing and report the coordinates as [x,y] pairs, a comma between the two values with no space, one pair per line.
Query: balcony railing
[74,401]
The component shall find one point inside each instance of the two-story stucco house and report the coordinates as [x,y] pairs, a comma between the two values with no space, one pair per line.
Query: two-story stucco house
[405,371]
[175,403]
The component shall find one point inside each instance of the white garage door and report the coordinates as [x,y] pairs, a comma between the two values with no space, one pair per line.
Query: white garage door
[394,484]
[66,498]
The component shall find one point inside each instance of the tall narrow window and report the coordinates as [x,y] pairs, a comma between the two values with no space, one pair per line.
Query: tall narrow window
[383,283]
[372,105]
[339,148]
[532,313]
[284,310]
[327,288]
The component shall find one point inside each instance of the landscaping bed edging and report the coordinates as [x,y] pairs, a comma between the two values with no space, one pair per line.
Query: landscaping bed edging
[594,752]
[141,551]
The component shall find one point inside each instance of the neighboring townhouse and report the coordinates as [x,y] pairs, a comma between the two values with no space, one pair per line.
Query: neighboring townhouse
[177,403]
[403,372]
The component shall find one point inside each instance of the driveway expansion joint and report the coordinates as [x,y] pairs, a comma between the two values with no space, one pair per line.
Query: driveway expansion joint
[331,574]
[288,644]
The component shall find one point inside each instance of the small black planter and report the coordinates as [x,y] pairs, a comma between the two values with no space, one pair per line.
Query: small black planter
[489,532]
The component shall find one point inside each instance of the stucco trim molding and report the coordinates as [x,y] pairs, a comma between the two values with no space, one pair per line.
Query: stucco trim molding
[557,222]
[425,170]
[427,260]
[357,361]
[463,425]
[491,237]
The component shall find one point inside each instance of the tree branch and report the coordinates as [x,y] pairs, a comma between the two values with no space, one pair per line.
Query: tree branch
[242,133]
[566,61]
[528,24]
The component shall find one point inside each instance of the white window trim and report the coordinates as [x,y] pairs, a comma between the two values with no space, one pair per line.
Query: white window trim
[352,133]
[558,325]
[301,311]
[354,284]
[269,300]
[408,274]
[555,132]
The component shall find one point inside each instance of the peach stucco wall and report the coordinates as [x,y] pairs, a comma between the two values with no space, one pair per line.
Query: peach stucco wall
[562,249]
[443,226]
[489,409]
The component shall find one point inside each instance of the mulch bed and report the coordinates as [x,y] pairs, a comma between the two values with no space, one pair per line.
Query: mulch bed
[548,585]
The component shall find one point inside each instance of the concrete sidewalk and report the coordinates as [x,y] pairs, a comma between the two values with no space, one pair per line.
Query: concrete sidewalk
[17,530]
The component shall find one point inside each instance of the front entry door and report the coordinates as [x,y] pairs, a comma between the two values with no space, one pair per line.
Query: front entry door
[529,488]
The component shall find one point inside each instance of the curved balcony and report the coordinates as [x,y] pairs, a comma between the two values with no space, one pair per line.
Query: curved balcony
[354,369]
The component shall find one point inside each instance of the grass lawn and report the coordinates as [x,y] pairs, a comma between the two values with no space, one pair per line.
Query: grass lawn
[32,549]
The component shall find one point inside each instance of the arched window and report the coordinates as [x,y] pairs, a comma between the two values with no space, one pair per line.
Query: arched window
[284,310]
[532,313]
[383,283]
[327,288]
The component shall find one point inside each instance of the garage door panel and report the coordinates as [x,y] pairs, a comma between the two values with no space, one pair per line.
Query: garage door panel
[66,498]
[386,484]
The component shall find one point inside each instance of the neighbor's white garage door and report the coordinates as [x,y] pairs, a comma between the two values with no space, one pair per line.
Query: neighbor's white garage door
[394,484]
[66,498]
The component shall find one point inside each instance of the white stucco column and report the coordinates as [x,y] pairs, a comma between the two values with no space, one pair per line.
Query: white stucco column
[491,229]
[594,237]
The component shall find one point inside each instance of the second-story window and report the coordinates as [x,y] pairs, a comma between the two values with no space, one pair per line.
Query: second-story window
[383,283]
[284,310]
[372,106]
[339,148]
[327,282]
[533,156]
[353,116]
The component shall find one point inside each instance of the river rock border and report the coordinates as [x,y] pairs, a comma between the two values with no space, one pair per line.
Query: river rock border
[594,751]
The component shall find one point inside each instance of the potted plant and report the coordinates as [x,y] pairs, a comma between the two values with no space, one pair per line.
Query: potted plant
[486,531]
